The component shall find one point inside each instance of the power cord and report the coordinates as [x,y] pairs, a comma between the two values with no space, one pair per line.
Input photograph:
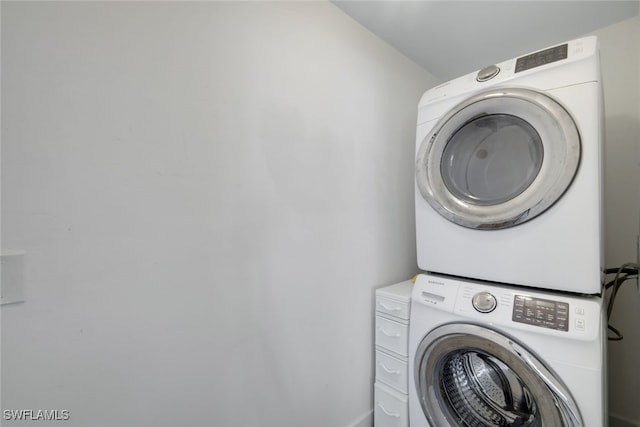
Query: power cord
[623,273]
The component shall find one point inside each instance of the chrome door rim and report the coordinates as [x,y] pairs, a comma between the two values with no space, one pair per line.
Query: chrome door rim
[557,406]
[559,165]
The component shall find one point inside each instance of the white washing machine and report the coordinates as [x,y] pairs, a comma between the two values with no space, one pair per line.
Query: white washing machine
[488,355]
[509,171]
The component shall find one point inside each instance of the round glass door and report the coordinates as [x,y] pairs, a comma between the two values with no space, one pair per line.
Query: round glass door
[471,376]
[498,159]
[491,159]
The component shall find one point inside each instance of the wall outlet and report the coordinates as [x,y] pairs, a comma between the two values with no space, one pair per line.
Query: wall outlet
[11,277]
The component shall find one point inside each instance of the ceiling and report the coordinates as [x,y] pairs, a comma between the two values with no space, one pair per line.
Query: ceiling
[452,38]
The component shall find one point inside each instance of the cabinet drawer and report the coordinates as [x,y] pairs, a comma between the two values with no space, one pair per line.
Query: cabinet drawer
[393,307]
[391,371]
[392,335]
[391,409]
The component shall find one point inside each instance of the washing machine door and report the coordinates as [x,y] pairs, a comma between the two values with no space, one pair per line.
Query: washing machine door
[471,376]
[498,159]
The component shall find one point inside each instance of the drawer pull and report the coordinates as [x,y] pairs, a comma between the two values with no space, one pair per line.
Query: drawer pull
[390,307]
[390,335]
[387,370]
[388,413]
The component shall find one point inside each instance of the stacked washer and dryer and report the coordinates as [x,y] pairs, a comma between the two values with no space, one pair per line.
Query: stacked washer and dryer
[507,325]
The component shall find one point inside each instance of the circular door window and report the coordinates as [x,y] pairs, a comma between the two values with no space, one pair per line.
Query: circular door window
[471,376]
[498,159]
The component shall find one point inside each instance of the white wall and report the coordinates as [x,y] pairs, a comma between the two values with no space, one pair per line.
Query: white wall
[620,58]
[208,193]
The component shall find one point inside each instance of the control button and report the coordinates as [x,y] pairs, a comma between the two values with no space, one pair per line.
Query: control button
[487,73]
[484,302]
[580,311]
[580,325]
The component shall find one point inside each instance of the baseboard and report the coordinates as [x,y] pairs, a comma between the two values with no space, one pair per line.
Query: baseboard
[366,420]
[618,421]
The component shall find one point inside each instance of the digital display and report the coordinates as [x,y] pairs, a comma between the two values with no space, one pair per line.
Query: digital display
[530,302]
[541,312]
[542,57]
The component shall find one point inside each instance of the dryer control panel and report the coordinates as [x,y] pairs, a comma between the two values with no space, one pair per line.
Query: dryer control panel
[543,57]
[541,312]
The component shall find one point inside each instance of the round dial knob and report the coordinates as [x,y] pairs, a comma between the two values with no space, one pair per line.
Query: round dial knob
[484,302]
[487,73]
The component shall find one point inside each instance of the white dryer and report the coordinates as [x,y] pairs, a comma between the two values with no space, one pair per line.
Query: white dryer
[509,170]
[489,355]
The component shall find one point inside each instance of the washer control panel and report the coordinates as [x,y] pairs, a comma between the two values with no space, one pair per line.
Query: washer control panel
[512,308]
[541,312]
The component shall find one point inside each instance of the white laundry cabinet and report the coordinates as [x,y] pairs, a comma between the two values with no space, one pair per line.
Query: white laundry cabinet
[393,305]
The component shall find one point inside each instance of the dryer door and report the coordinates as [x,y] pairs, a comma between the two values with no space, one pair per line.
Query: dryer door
[471,376]
[498,159]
